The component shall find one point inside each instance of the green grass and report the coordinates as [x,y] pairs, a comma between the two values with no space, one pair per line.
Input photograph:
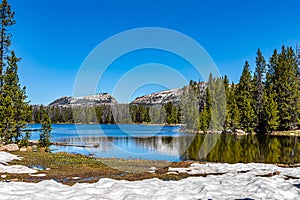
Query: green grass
[64,167]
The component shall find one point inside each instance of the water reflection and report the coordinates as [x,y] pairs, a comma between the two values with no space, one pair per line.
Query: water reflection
[234,149]
[228,148]
[162,147]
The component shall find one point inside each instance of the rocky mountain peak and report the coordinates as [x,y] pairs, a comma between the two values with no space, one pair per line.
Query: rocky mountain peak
[90,100]
[160,98]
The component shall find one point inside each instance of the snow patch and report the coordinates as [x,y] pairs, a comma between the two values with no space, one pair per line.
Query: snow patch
[16,169]
[5,158]
[8,157]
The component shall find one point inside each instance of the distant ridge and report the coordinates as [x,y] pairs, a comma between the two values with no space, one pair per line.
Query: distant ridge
[158,98]
[90,100]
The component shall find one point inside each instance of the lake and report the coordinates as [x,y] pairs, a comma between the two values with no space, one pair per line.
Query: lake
[168,143]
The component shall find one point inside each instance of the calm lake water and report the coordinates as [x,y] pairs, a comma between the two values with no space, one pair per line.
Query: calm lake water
[167,143]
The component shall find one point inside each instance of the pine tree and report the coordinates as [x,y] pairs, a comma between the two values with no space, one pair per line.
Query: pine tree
[271,73]
[227,91]
[245,100]
[7,20]
[233,111]
[270,118]
[218,101]
[7,131]
[295,86]
[286,84]
[14,110]
[45,136]
[190,108]
[270,109]
[258,80]
[204,120]
[205,115]
[21,110]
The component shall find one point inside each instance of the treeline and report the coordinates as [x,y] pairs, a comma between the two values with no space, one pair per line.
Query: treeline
[106,114]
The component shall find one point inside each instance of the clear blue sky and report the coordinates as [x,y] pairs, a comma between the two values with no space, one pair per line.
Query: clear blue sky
[54,37]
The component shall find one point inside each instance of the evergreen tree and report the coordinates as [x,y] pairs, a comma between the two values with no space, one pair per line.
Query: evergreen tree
[218,102]
[21,110]
[270,119]
[258,80]
[7,131]
[233,111]
[45,136]
[286,84]
[295,86]
[204,119]
[271,73]
[7,20]
[190,108]
[245,100]
[14,110]
[205,115]
[171,112]
[227,91]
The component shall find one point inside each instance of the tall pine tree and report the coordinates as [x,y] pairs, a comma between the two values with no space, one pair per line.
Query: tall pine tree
[7,20]
[286,84]
[45,136]
[258,80]
[245,100]
[21,109]
[14,110]
[233,110]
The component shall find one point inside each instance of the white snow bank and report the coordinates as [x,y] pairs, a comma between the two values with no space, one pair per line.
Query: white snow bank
[215,187]
[13,169]
[239,181]
[16,169]
[250,168]
[8,157]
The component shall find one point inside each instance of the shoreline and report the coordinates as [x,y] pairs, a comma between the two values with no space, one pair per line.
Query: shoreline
[238,132]
[242,133]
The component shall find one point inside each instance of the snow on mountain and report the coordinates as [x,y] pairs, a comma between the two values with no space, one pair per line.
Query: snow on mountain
[159,98]
[163,97]
[91,100]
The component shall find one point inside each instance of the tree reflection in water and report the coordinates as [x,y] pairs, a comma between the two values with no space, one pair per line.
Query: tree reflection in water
[245,149]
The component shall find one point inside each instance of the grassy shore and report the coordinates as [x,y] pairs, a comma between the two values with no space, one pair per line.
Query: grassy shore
[70,169]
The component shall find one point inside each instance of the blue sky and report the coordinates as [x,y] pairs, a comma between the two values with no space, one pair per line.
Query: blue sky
[54,37]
